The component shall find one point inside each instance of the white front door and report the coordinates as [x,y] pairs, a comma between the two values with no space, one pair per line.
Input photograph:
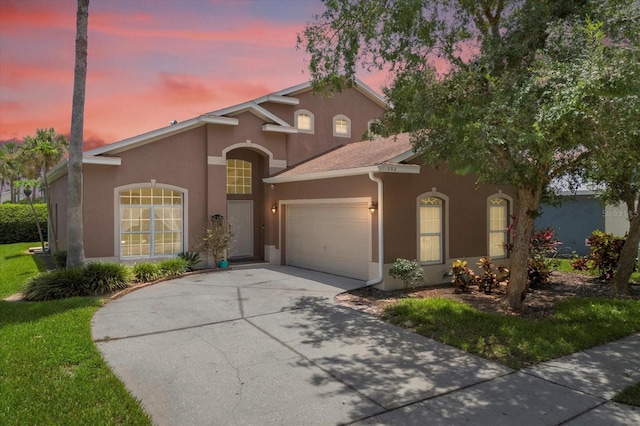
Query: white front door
[240,214]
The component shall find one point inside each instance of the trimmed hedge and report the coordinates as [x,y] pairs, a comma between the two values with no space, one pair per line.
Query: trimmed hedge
[17,224]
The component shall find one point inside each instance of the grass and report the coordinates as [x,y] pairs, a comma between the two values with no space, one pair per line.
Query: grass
[564,265]
[50,370]
[578,324]
[629,396]
[16,266]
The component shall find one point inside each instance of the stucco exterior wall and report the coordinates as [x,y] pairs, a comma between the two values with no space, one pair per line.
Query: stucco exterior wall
[178,160]
[467,209]
[59,205]
[351,103]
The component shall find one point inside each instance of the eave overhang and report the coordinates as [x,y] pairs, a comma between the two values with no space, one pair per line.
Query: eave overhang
[378,168]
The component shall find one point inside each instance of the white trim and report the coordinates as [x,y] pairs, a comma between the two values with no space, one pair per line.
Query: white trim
[312,118]
[279,129]
[116,213]
[509,200]
[106,161]
[228,121]
[348,120]
[286,100]
[444,249]
[382,168]
[215,160]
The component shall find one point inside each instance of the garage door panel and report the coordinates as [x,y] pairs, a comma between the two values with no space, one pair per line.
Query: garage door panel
[334,238]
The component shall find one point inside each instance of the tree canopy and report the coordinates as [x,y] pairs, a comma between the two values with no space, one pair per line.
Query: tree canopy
[507,90]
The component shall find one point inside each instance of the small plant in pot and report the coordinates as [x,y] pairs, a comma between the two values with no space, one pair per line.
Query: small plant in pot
[216,238]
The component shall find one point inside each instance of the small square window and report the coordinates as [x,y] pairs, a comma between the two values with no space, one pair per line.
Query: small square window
[341,126]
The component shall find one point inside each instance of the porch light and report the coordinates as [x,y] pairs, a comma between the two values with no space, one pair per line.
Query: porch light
[373,207]
[274,208]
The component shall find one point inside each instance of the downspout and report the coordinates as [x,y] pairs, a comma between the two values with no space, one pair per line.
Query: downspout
[380,276]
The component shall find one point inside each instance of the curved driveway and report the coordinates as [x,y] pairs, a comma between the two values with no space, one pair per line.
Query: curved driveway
[265,345]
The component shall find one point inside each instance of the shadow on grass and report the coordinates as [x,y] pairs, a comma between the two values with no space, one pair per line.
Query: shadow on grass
[24,312]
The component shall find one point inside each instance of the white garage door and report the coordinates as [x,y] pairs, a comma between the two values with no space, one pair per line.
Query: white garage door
[333,238]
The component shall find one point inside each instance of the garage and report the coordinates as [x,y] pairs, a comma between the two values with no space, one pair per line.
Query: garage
[330,237]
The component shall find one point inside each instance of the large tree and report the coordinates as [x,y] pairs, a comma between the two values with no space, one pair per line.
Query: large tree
[492,112]
[75,234]
[38,155]
[10,166]
[615,111]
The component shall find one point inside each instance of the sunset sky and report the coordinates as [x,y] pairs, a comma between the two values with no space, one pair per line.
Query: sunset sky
[149,61]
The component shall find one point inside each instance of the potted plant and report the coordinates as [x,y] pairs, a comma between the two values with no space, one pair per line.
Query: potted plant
[216,239]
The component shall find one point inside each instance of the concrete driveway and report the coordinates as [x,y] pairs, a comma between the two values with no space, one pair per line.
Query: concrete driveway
[266,345]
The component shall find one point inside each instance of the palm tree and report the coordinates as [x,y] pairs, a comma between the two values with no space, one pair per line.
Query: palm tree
[10,166]
[75,245]
[39,154]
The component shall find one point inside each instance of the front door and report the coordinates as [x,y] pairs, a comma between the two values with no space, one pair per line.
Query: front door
[240,214]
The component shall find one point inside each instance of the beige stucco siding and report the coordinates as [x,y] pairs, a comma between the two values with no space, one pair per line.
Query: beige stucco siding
[467,220]
[178,160]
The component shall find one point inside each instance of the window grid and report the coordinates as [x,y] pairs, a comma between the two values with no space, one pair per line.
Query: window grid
[238,177]
[150,222]
[498,234]
[304,121]
[430,233]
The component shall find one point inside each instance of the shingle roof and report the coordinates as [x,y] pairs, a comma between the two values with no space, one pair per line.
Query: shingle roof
[355,155]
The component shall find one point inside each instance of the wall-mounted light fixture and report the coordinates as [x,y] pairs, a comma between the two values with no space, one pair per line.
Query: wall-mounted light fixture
[274,208]
[373,207]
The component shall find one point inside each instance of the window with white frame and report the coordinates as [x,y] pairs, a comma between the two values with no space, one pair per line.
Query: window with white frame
[304,121]
[238,177]
[430,238]
[498,223]
[341,126]
[151,222]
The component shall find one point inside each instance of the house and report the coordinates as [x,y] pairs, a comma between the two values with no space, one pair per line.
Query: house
[292,173]
[577,216]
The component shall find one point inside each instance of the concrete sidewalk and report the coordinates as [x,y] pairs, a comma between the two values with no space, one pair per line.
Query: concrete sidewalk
[267,345]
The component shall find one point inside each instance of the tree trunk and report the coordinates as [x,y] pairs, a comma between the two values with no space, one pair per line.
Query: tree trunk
[75,244]
[628,254]
[35,217]
[528,204]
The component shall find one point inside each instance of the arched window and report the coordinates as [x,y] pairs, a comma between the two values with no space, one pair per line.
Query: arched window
[498,218]
[304,121]
[238,177]
[151,222]
[430,229]
[342,126]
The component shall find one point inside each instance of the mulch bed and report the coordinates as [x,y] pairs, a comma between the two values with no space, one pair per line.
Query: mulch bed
[539,303]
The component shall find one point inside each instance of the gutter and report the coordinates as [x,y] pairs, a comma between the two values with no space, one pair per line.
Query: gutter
[380,276]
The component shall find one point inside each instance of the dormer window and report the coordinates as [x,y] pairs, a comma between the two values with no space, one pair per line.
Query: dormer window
[304,121]
[342,126]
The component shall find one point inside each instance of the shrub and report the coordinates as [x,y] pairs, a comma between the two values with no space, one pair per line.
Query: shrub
[58,284]
[409,271]
[542,249]
[145,272]
[103,278]
[172,267]
[92,279]
[462,275]
[192,258]
[61,259]
[580,264]
[604,253]
[17,224]
[492,276]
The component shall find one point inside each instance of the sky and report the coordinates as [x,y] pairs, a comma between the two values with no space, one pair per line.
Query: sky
[149,61]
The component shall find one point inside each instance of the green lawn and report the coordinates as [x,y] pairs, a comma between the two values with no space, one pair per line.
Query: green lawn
[564,265]
[518,342]
[50,370]
[16,266]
